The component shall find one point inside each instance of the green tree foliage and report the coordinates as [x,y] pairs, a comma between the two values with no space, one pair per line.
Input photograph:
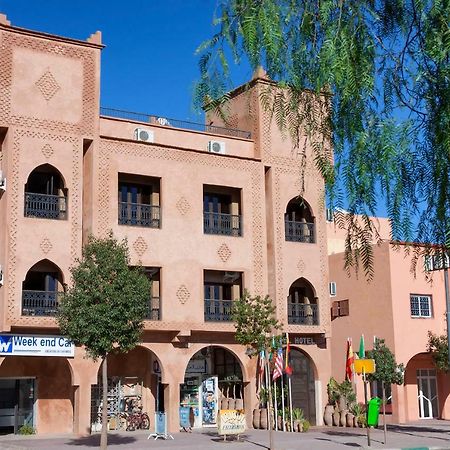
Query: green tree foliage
[386,66]
[105,306]
[255,321]
[438,347]
[387,369]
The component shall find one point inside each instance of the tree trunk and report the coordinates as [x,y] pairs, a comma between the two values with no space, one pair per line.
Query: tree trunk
[104,435]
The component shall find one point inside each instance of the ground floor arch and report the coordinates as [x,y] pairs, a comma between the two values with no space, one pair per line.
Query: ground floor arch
[303,382]
[133,385]
[213,379]
[37,391]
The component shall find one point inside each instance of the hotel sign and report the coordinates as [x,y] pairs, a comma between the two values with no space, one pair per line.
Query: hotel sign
[320,341]
[19,345]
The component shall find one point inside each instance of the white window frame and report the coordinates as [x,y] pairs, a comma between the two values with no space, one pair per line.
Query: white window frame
[418,298]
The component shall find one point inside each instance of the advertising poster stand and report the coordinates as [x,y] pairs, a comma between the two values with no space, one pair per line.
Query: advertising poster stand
[160,427]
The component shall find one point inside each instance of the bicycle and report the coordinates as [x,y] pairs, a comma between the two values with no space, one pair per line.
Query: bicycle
[138,421]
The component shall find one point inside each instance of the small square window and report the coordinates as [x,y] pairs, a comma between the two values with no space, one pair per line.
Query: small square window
[421,305]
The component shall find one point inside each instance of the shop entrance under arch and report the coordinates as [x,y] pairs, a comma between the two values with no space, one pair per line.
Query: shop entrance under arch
[134,386]
[303,384]
[213,380]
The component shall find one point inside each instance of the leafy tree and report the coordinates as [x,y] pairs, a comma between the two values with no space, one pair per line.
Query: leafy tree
[104,308]
[381,74]
[387,369]
[254,319]
[438,347]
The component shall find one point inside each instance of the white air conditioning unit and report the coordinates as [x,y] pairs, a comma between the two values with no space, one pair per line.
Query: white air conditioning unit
[333,289]
[216,147]
[143,134]
[1,276]
[2,182]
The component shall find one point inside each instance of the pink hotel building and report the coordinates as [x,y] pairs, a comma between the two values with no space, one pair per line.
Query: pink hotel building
[208,210]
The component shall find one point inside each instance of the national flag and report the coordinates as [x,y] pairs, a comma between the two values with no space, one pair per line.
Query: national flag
[287,367]
[362,351]
[261,362]
[278,362]
[349,361]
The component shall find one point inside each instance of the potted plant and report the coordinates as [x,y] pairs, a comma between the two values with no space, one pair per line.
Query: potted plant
[298,417]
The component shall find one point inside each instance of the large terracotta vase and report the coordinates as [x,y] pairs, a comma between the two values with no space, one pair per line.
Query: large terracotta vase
[350,419]
[328,415]
[343,418]
[263,419]
[239,403]
[256,419]
[336,417]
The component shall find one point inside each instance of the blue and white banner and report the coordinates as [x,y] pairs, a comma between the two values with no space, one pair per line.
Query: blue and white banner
[19,345]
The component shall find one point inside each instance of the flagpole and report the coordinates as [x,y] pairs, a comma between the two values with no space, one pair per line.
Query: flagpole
[282,402]
[276,407]
[290,402]
[269,403]
[288,371]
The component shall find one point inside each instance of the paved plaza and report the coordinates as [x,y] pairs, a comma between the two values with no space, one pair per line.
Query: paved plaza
[419,436]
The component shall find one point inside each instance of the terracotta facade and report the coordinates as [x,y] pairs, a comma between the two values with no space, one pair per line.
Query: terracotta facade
[399,305]
[52,129]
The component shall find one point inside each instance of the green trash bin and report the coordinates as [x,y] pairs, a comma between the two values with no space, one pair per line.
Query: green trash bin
[373,411]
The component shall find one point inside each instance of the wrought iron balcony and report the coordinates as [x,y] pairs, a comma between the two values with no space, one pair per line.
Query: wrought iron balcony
[153,311]
[224,224]
[139,215]
[218,310]
[45,206]
[302,314]
[299,231]
[39,303]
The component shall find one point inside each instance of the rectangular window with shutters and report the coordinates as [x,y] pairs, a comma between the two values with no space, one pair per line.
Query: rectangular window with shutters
[421,305]
[340,309]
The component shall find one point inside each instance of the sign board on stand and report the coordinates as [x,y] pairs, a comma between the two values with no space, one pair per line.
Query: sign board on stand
[231,421]
[160,427]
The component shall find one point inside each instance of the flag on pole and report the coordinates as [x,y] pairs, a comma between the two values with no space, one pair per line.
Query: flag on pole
[349,361]
[278,362]
[262,357]
[287,367]
[362,351]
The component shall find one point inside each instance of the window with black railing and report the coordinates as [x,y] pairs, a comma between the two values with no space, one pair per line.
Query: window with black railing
[221,211]
[139,201]
[221,289]
[299,222]
[42,290]
[45,194]
[302,304]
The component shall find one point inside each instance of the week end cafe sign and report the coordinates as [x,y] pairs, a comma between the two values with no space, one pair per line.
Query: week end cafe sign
[19,345]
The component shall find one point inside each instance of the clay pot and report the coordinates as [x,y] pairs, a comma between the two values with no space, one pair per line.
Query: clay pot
[350,419]
[328,415]
[224,403]
[297,425]
[343,418]
[336,418]
[263,419]
[355,421]
[280,423]
[256,419]
[231,403]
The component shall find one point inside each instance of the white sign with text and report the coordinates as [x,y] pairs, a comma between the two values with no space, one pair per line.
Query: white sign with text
[19,345]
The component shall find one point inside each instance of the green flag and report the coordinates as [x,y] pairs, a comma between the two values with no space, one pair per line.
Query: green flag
[362,351]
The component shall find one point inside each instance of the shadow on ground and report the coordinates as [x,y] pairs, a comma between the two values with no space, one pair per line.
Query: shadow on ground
[94,440]
[348,444]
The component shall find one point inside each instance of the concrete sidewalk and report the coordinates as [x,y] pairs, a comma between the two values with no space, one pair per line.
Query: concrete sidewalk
[433,435]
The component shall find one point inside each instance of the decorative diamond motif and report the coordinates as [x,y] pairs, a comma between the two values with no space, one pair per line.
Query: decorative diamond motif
[46,245]
[183,294]
[48,85]
[224,252]
[183,206]
[140,246]
[47,150]
[301,265]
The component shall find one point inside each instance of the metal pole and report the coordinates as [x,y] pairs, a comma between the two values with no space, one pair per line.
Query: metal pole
[269,406]
[383,387]
[367,409]
[447,302]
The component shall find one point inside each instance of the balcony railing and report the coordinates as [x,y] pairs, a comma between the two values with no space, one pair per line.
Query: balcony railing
[45,206]
[139,215]
[174,123]
[39,303]
[153,311]
[299,231]
[224,224]
[302,314]
[218,310]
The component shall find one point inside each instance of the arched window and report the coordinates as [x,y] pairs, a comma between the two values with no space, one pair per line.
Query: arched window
[45,194]
[299,222]
[40,289]
[302,304]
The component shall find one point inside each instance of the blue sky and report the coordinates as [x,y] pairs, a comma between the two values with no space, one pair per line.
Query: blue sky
[149,63]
